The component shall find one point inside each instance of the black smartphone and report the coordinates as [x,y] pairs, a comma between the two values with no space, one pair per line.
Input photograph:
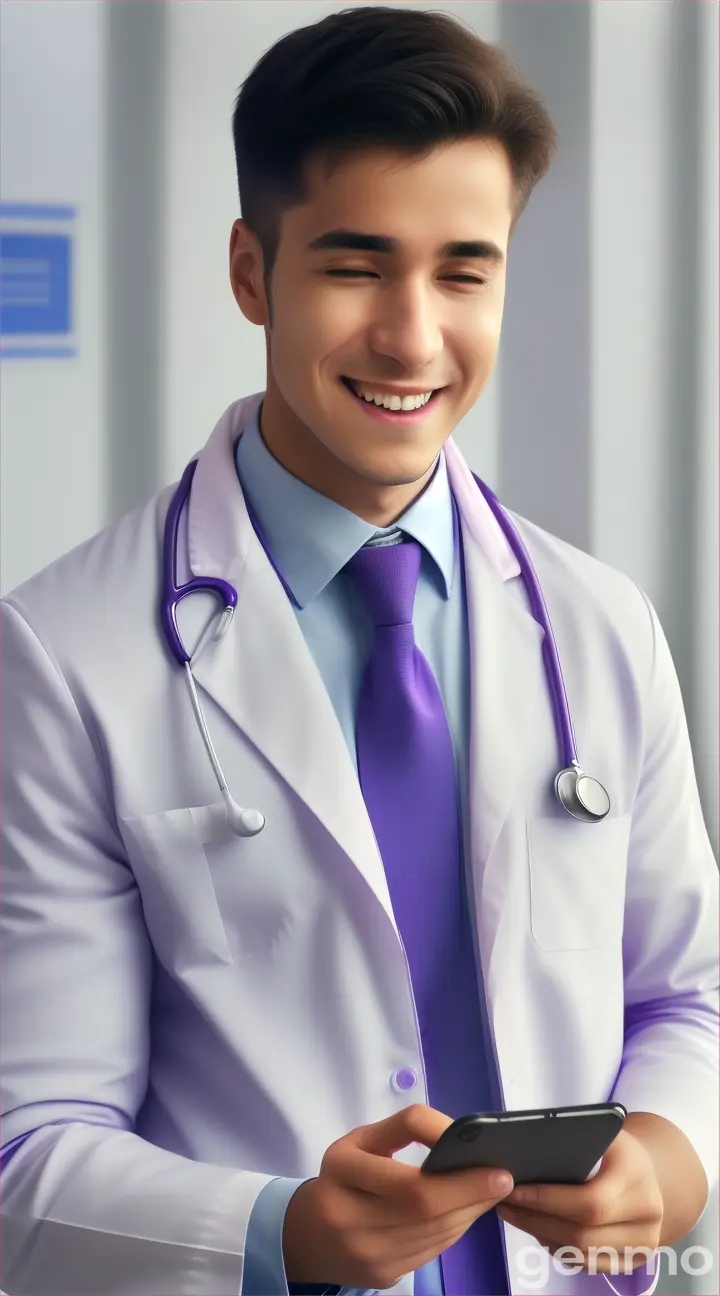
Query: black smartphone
[553,1145]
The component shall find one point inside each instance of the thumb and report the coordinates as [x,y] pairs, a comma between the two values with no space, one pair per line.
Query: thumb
[415,1124]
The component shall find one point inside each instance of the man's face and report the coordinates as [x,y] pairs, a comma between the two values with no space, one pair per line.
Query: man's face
[418,317]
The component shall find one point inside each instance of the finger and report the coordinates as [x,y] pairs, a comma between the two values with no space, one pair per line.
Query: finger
[385,1178]
[408,1249]
[405,1217]
[406,1238]
[541,1217]
[596,1201]
[417,1123]
[419,1203]
[363,1159]
[590,1203]
[551,1231]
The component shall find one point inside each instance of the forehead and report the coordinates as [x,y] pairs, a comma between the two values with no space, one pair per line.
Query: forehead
[460,190]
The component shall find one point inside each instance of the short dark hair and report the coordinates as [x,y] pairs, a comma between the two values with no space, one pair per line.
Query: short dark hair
[410,79]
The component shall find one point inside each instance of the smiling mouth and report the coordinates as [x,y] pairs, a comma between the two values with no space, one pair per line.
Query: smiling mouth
[348,383]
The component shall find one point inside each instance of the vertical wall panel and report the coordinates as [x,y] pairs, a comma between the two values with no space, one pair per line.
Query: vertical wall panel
[544,446]
[136,185]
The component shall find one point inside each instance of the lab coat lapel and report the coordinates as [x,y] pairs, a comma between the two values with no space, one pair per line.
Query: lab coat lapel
[262,674]
[506,687]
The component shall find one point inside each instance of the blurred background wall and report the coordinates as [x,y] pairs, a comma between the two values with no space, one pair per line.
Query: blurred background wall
[600,422]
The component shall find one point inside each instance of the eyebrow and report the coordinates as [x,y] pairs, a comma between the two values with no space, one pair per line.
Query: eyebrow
[354,240]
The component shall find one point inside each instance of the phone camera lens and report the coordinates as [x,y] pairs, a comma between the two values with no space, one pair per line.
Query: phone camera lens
[469,1134]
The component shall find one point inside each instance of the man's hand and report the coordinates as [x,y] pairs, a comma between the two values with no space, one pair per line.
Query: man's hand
[621,1206]
[368,1219]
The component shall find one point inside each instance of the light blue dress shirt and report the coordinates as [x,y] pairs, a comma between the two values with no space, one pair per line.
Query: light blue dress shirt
[311,538]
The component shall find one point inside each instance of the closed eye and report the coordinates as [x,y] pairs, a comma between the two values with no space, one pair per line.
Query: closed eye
[370,273]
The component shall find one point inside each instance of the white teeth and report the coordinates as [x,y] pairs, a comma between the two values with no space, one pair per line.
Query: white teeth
[394,402]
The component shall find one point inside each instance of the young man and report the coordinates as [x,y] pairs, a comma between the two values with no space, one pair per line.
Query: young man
[231,1033]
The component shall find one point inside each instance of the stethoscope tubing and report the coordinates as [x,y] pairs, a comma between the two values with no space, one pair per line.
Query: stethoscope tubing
[554,673]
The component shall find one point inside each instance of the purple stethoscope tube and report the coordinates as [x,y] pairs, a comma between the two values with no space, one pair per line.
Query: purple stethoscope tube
[580,795]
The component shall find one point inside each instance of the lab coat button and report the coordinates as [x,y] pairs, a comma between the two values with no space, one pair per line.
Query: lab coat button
[404,1079]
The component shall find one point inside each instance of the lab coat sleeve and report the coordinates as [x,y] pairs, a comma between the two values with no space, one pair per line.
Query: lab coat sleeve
[670,941]
[88,1207]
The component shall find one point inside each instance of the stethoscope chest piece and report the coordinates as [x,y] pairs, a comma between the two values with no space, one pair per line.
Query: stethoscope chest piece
[583,797]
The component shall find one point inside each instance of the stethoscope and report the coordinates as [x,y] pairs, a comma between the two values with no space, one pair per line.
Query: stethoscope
[580,795]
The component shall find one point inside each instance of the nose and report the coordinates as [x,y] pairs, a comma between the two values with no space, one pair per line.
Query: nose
[409,328]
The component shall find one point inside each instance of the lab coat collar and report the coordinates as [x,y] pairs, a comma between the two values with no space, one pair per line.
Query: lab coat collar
[262,675]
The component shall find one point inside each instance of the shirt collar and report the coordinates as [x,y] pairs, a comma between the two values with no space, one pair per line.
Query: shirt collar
[311,537]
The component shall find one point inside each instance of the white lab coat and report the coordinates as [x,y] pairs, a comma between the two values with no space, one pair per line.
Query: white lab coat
[214,1012]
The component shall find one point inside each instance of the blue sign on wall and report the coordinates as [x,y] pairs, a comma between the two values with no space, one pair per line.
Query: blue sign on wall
[34,283]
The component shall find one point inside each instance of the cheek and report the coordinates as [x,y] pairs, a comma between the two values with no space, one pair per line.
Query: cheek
[294,342]
[313,325]
[486,340]
[338,322]
[471,326]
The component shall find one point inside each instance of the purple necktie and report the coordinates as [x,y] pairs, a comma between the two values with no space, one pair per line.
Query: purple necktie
[405,758]
[406,767]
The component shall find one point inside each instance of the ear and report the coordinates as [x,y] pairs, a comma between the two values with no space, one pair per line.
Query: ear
[246,273]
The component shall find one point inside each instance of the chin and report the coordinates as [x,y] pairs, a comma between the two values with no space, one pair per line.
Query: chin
[404,473]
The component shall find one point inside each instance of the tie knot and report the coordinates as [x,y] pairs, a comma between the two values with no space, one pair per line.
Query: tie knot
[386,578]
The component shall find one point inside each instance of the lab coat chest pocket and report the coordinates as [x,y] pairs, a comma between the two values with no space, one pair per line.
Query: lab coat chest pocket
[577,881]
[168,858]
